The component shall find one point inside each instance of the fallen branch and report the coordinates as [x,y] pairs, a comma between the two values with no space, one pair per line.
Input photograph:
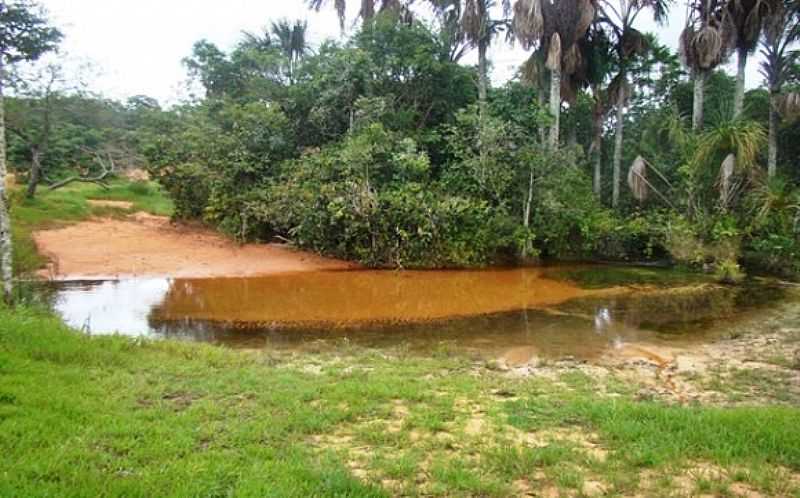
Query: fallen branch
[98,179]
[654,190]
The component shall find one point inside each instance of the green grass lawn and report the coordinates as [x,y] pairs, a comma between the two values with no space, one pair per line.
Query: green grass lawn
[51,209]
[109,416]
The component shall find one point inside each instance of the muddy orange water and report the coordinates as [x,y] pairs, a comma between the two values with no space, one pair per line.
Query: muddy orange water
[351,297]
[513,314]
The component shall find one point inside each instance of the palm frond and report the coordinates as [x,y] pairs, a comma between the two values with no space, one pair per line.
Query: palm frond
[528,24]
[339,5]
[709,35]
[637,179]
[725,182]
[744,139]
[789,106]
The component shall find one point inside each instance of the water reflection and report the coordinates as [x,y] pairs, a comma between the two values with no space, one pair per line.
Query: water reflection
[111,306]
[514,313]
[345,298]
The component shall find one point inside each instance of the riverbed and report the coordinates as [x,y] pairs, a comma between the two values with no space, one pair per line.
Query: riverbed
[513,314]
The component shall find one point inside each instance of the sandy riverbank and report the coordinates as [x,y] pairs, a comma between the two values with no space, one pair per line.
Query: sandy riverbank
[146,245]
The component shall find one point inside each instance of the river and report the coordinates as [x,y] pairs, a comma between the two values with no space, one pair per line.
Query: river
[517,312]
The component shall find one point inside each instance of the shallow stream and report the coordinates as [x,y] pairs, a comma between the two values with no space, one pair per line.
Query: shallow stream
[516,313]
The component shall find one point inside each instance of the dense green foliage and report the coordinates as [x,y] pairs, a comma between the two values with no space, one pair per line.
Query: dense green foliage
[372,154]
[69,131]
[377,150]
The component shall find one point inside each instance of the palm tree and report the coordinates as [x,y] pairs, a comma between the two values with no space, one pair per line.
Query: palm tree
[367,11]
[748,18]
[291,38]
[782,31]
[534,73]
[618,17]
[705,42]
[476,27]
[448,14]
[598,54]
[479,29]
[256,41]
[555,28]
[739,144]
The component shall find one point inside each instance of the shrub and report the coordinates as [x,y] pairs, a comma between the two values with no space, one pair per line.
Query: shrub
[140,188]
[728,271]
[368,199]
[188,185]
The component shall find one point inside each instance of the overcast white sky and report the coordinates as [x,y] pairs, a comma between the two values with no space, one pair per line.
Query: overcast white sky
[137,46]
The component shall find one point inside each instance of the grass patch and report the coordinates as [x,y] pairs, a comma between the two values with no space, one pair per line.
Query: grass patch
[109,416]
[648,434]
[749,384]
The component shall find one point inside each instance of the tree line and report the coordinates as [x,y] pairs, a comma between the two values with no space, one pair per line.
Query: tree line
[386,149]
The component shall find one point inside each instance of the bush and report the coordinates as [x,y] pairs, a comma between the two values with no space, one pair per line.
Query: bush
[140,188]
[728,271]
[188,185]
[368,200]
[707,241]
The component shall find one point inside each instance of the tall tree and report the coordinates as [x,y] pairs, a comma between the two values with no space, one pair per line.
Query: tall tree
[291,37]
[479,29]
[782,32]
[705,43]
[214,69]
[24,36]
[618,16]
[748,18]
[599,61]
[448,14]
[368,7]
[31,117]
[555,28]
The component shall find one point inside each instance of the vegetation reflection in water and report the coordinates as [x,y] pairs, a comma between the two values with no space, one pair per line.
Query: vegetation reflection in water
[518,313]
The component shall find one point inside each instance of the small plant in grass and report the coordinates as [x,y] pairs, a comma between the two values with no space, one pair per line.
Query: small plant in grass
[728,271]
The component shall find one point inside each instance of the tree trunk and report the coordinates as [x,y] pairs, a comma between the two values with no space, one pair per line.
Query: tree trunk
[699,96]
[540,98]
[598,163]
[5,221]
[526,215]
[772,151]
[572,138]
[597,141]
[352,119]
[555,105]
[618,145]
[36,172]
[483,90]
[738,98]
[483,75]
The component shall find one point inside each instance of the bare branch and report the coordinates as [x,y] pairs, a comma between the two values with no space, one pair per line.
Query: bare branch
[107,169]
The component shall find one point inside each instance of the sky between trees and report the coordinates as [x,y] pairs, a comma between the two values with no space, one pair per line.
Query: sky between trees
[136,47]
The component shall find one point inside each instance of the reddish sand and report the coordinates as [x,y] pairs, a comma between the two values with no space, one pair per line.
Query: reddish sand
[146,245]
[110,204]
